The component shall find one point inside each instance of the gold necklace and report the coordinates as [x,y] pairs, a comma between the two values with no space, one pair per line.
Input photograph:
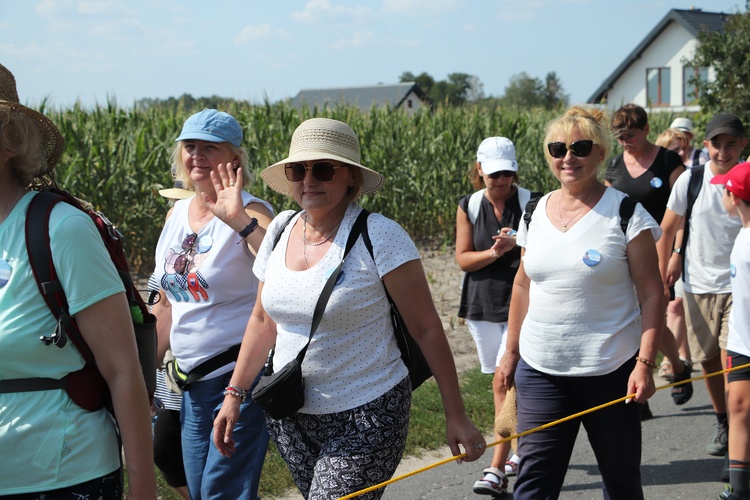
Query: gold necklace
[564,227]
[18,197]
[305,243]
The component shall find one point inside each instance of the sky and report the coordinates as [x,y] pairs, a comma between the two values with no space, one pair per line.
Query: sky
[96,51]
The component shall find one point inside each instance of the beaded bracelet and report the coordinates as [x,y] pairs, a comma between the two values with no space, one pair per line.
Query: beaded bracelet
[646,361]
[233,390]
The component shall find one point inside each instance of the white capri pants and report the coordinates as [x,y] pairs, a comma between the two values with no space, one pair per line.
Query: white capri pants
[490,340]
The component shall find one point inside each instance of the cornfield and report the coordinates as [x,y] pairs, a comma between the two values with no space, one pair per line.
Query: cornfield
[118,159]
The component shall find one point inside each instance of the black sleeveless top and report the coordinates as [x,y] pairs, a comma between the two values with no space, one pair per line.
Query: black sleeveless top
[485,295]
[651,188]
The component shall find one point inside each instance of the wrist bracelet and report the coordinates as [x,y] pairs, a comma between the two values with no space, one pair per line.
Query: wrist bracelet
[678,251]
[233,390]
[645,361]
[249,228]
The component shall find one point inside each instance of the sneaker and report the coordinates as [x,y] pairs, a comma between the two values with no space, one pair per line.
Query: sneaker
[494,483]
[729,494]
[682,393]
[718,447]
[511,465]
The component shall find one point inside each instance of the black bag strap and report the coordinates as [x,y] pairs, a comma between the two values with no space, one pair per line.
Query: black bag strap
[325,294]
[694,187]
[627,208]
[281,229]
[211,364]
[529,210]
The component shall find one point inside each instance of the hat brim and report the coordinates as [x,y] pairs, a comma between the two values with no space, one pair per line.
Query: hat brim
[176,193]
[276,179]
[201,136]
[492,166]
[723,130]
[52,139]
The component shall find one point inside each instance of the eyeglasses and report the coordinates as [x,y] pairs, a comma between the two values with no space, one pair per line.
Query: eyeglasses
[322,171]
[579,148]
[501,173]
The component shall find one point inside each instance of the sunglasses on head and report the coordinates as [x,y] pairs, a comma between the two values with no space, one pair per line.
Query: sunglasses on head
[501,173]
[579,148]
[322,171]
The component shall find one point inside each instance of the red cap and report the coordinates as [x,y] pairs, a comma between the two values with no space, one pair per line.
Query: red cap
[737,181]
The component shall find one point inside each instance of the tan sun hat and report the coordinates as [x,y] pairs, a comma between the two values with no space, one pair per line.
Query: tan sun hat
[322,139]
[52,139]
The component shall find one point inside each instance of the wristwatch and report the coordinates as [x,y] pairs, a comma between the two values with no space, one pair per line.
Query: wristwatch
[677,251]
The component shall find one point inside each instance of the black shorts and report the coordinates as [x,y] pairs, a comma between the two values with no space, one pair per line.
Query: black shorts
[735,359]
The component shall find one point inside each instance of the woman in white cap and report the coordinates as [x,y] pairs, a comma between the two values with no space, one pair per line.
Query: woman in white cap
[53,448]
[691,157]
[351,431]
[486,251]
[204,260]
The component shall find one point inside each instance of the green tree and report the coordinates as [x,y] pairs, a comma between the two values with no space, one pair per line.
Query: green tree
[525,91]
[457,89]
[728,51]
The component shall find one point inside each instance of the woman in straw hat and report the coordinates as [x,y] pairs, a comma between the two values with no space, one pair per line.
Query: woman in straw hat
[54,448]
[203,260]
[351,431]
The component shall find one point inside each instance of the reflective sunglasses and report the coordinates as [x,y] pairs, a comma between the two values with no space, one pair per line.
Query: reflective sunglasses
[501,173]
[579,148]
[322,171]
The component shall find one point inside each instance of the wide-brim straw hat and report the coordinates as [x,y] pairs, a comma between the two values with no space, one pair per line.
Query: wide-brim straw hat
[52,140]
[322,139]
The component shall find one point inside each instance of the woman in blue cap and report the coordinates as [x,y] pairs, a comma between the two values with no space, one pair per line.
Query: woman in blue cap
[207,293]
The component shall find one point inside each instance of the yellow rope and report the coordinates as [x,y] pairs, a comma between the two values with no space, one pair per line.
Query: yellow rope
[541,427]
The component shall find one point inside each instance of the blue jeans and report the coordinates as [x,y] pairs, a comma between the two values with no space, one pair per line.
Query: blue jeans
[210,475]
[613,432]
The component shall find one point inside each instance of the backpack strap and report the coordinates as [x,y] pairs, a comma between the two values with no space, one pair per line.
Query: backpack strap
[281,230]
[475,203]
[694,188]
[529,210]
[627,208]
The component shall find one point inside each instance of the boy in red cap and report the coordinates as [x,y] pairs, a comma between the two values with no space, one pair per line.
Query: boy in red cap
[737,203]
[704,259]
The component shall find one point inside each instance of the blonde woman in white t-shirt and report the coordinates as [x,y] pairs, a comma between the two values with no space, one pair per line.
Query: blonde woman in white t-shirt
[351,431]
[585,316]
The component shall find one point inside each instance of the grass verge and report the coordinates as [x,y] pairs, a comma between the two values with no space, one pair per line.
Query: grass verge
[426,430]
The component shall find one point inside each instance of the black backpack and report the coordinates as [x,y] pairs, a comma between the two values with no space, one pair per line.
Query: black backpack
[627,208]
[694,187]
[86,387]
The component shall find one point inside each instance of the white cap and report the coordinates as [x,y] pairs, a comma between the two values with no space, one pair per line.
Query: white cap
[496,154]
[683,124]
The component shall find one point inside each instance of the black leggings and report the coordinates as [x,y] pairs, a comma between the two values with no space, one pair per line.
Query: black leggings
[168,448]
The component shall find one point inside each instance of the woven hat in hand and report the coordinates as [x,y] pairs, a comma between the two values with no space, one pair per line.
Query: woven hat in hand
[506,422]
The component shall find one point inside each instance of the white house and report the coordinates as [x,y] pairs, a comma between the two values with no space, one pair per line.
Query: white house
[654,74]
[407,96]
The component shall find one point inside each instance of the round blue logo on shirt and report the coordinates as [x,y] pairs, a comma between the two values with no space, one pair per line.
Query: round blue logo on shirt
[591,257]
[732,270]
[656,182]
[5,271]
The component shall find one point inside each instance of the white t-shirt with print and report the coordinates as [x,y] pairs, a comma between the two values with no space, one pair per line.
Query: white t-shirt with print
[353,357]
[583,317]
[712,235]
[739,316]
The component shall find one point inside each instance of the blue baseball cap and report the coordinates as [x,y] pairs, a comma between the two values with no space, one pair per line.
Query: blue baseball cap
[212,126]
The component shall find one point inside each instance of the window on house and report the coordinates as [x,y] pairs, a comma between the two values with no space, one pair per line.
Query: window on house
[690,77]
[657,86]
[409,104]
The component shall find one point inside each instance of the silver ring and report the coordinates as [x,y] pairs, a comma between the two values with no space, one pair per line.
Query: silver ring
[479,446]
[231,184]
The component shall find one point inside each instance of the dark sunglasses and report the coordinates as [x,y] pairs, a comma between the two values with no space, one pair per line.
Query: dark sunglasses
[579,148]
[322,171]
[501,173]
